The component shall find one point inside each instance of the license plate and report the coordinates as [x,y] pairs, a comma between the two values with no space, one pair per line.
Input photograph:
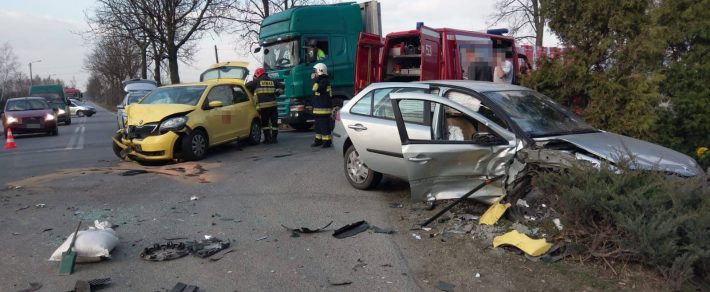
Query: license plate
[33,126]
[279,121]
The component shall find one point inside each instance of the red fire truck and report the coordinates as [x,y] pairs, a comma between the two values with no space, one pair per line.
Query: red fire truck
[429,54]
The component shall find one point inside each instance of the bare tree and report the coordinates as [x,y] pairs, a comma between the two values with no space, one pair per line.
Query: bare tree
[524,18]
[9,69]
[248,15]
[111,61]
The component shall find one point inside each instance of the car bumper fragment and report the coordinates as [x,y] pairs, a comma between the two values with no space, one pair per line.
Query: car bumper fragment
[150,148]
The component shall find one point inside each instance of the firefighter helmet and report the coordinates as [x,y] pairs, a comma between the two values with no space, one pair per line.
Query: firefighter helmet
[259,72]
[321,69]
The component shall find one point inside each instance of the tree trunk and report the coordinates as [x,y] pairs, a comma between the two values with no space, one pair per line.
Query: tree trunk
[157,57]
[173,64]
[144,61]
[539,20]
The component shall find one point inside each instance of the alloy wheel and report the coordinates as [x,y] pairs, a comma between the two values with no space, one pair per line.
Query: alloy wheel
[198,145]
[357,170]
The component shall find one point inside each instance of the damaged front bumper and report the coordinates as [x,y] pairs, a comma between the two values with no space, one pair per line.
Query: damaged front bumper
[150,148]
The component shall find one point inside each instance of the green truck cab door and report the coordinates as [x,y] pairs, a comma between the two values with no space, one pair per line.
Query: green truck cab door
[367,60]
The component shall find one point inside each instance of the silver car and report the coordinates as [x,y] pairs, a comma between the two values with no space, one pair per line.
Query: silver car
[135,90]
[446,137]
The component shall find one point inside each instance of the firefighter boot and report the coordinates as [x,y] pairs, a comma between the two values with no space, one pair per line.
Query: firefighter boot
[267,137]
[274,135]
[317,142]
[327,144]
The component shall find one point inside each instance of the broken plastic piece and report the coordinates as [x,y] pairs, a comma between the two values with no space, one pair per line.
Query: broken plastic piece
[208,247]
[306,229]
[133,172]
[351,229]
[34,286]
[194,198]
[181,287]
[444,286]
[493,214]
[165,252]
[533,247]
[386,230]
[558,223]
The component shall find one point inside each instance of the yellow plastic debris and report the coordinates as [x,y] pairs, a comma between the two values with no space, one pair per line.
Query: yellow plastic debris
[533,247]
[493,213]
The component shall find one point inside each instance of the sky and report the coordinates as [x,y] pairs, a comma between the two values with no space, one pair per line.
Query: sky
[53,31]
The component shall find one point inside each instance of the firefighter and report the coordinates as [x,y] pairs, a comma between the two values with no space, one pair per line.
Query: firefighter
[322,105]
[264,91]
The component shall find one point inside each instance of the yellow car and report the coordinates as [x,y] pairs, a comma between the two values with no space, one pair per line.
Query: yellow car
[183,121]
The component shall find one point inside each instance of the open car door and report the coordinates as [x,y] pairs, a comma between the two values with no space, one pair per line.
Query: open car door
[465,148]
[367,59]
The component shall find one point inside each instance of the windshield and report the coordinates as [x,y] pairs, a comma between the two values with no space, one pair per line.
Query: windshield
[135,96]
[26,105]
[52,97]
[539,115]
[281,55]
[224,72]
[72,95]
[188,95]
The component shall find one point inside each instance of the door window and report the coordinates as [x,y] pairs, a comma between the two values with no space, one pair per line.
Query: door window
[412,110]
[475,104]
[239,94]
[363,106]
[316,49]
[221,93]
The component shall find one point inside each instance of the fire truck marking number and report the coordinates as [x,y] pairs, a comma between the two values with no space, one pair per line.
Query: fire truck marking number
[427,50]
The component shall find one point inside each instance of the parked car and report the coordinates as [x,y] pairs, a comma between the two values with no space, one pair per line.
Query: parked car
[79,109]
[135,90]
[445,137]
[29,115]
[185,120]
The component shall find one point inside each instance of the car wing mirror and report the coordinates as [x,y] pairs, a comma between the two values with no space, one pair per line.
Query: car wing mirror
[120,106]
[487,139]
[258,49]
[215,104]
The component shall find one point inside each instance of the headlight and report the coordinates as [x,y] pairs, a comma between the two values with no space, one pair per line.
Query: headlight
[11,120]
[173,124]
[49,117]
[61,111]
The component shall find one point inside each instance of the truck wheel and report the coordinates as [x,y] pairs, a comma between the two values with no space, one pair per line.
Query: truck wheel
[194,145]
[301,126]
[255,133]
[358,174]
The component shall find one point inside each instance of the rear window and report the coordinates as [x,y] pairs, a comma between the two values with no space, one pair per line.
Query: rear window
[26,105]
[224,72]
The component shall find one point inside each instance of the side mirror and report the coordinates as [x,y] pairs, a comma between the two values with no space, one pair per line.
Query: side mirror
[215,104]
[120,106]
[258,49]
[487,139]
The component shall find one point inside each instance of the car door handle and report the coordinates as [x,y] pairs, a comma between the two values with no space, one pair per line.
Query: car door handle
[358,127]
[420,158]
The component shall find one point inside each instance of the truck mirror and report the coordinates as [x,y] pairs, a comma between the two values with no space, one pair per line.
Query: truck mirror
[258,49]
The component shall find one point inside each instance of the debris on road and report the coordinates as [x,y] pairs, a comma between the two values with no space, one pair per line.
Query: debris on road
[88,286]
[47,229]
[386,230]
[165,252]
[182,287]
[295,231]
[417,236]
[262,238]
[23,208]
[40,205]
[214,259]
[91,244]
[339,282]
[493,213]
[194,198]
[133,172]
[462,198]
[444,286]
[478,275]
[351,229]
[34,286]
[533,247]
[283,155]
[207,247]
[558,223]
[396,205]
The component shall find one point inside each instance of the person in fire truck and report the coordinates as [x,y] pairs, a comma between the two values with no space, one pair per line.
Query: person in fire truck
[504,68]
[478,68]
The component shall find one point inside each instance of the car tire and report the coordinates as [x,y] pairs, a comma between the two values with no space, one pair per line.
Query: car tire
[194,145]
[55,131]
[79,113]
[67,122]
[357,173]
[118,151]
[301,126]
[255,133]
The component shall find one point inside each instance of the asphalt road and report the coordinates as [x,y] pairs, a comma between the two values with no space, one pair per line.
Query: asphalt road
[84,143]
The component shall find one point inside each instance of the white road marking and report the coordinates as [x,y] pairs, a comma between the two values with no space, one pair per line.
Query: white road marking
[77,139]
[73,138]
[80,144]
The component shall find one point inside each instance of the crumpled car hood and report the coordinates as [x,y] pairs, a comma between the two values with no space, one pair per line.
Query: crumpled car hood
[614,147]
[139,114]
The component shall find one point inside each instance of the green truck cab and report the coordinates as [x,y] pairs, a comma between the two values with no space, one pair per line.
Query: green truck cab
[294,40]
[54,94]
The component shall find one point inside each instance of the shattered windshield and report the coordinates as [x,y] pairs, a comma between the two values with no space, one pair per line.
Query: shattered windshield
[538,115]
[188,95]
[281,55]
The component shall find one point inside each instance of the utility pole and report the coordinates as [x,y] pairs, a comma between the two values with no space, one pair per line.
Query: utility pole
[216,57]
[30,64]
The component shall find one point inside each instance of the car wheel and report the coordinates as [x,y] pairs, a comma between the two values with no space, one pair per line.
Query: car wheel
[67,122]
[357,173]
[80,114]
[301,126]
[55,131]
[255,133]
[118,151]
[194,145]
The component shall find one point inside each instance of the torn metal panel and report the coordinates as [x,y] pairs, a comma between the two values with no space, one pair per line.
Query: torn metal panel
[306,229]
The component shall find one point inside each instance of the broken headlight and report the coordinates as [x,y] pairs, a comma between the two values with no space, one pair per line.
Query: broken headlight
[173,124]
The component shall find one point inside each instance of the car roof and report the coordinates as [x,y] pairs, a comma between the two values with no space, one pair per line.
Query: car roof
[209,82]
[229,64]
[478,86]
[27,97]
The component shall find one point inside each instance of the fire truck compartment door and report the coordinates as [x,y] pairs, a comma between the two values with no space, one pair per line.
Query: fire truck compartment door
[367,59]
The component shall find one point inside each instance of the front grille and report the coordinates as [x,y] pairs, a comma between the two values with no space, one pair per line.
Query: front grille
[140,132]
[32,120]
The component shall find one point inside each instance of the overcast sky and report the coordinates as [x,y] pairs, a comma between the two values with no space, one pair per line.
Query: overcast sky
[50,30]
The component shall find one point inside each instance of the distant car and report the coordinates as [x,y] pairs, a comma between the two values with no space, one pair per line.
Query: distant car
[29,115]
[185,120]
[78,109]
[54,94]
[135,90]
[445,137]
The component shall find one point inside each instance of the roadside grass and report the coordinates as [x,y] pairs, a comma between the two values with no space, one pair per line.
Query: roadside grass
[621,215]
